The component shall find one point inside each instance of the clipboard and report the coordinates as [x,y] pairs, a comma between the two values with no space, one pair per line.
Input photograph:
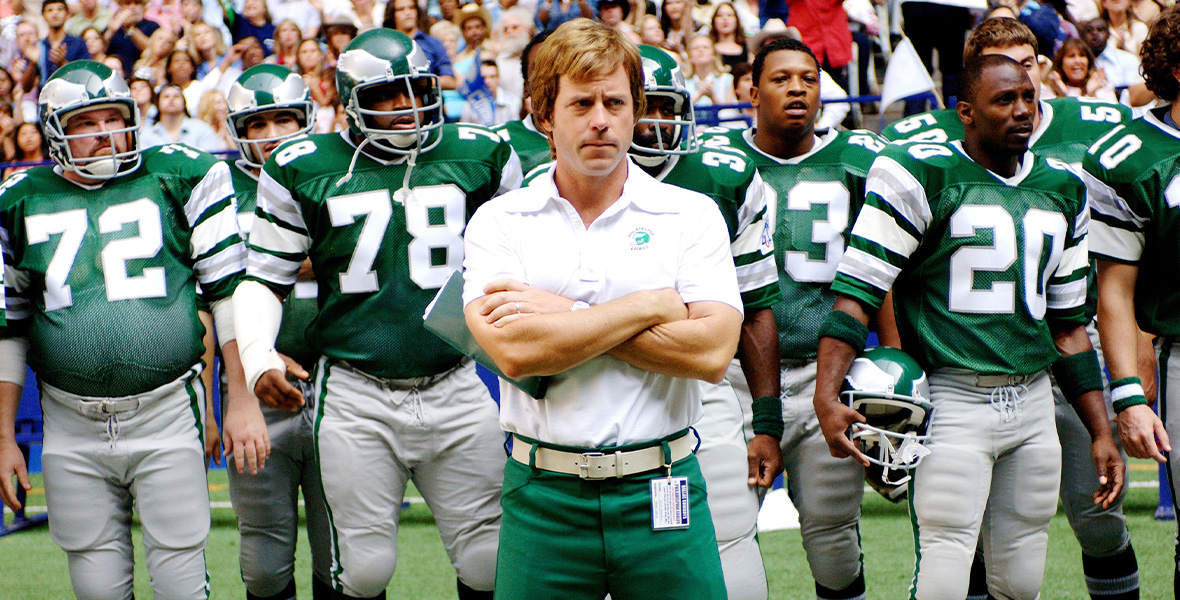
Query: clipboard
[444,318]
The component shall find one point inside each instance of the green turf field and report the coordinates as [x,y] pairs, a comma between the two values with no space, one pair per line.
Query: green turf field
[32,567]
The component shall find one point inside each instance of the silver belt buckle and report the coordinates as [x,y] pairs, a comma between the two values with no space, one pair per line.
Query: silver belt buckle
[585,465]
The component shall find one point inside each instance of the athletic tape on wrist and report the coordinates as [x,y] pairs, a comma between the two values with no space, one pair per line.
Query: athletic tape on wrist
[259,313]
[1126,392]
[1078,374]
[223,321]
[768,417]
[846,328]
[12,360]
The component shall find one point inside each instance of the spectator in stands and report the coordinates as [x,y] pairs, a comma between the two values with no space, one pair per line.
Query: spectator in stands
[1127,32]
[23,68]
[447,33]
[475,23]
[213,109]
[7,132]
[676,21]
[175,125]
[194,14]
[1121,67]
[550,14]
[152,62]
[181,70]
[95,44]
[513,33]
[337,36]
[824,26]
[743,80]
[241,56]
[937,25]
[314,72]
[166,13]
[128,33]
[614,13]
[10,96]
[58,48]
[144,96]
[208,46]
[253,22]
[116,65]
[1042,20]
[406,17]
[287,38]
[505,105]
[30,147]
[362,14]
[707,82]
[650,31]
[90,14]
[1075,74]
[304,12]
[729,39]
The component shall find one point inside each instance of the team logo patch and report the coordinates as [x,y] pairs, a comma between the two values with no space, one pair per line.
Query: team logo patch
[640,238]
[767,241]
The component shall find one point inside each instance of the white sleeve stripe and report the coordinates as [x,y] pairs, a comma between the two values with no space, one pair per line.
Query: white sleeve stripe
[749,240]
[753,203]
[868,268]
[15,279]
[1074,259]
[216,267]
[1067,295]
[879,227]
[510,176]
[1104,200]
[215,230]
[276,200]
[1081,225]
[272,269]
[214,187]
[272,238]
[757,275]
[1116,243]
[900,190]
[14,314]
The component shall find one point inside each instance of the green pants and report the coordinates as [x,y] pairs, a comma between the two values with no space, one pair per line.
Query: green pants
[566,538]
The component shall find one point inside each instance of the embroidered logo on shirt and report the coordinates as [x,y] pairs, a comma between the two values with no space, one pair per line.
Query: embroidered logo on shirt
[640,238]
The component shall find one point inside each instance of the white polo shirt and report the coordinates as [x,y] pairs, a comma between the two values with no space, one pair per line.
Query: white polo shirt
[655,236]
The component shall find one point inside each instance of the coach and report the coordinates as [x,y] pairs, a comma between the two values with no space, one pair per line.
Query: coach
[623,289]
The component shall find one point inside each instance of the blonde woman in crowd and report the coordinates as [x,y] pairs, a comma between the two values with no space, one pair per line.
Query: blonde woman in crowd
[154,58]
[676,21]
[209,46]
[213,110]
[287,40]
[1127,32]
[709,83]
[447,33]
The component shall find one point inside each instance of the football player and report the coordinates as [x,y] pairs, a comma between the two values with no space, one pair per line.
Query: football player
[268,105]
[984,246]
[105,251]
[531,146]
[1134,233]
[380,211]
[1063,128]
[815,186]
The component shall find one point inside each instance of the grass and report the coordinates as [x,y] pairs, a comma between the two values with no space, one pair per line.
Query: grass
[32,567]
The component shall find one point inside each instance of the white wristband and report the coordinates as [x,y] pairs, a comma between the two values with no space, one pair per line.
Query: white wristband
[223,321]
[12,360]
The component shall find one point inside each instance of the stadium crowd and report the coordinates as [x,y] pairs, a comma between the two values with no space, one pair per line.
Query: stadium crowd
[818,220]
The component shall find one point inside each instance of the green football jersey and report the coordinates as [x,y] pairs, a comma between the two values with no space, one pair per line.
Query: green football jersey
[979,265]
[813,200]
[531,146]
[299,308]
[379,253]
[1135,216]
[103,280]
[1068,126]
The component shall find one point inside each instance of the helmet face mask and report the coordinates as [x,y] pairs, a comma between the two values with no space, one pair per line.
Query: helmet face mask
[81,87]
[380,65]
[889,388]
[676,135]
[266,89]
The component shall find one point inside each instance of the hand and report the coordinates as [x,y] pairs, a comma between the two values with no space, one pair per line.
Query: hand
[1057,84]
[507,300]
[835,418]
[275,391]
[765,459]
[57,54]
[1139,430]
[6,126]
[246,437]
[12,462]
[212,440]
[1111,470]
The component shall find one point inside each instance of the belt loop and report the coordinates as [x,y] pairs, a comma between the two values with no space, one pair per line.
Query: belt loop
[667,451]
[533,457]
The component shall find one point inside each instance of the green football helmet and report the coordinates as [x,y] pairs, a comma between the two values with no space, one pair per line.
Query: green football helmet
[78,87]
[261,89]
[889,388]
[380,63]
[662,78]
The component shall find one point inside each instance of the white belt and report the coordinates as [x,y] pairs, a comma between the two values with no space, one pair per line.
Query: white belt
[104,408]
[602,465]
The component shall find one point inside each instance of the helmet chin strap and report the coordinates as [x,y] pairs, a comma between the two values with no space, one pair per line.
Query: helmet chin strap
[103,168]
[649,160]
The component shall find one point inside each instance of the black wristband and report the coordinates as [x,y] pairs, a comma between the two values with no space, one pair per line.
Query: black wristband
[768,417]
[846,328]
[1078,374]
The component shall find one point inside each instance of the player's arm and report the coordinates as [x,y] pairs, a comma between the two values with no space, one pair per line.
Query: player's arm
[698,347]
[212,434]
[1080,379]
[1140,429]
[12,380]
[842,338]
[759,355]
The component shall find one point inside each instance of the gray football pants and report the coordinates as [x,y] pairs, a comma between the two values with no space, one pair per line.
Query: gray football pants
[1169,370]
[992,476]
[98,466]
[373,437]
[826,491]
[267,504]
[732,502]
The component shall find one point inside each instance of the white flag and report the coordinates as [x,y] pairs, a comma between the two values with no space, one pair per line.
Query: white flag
[905,76]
